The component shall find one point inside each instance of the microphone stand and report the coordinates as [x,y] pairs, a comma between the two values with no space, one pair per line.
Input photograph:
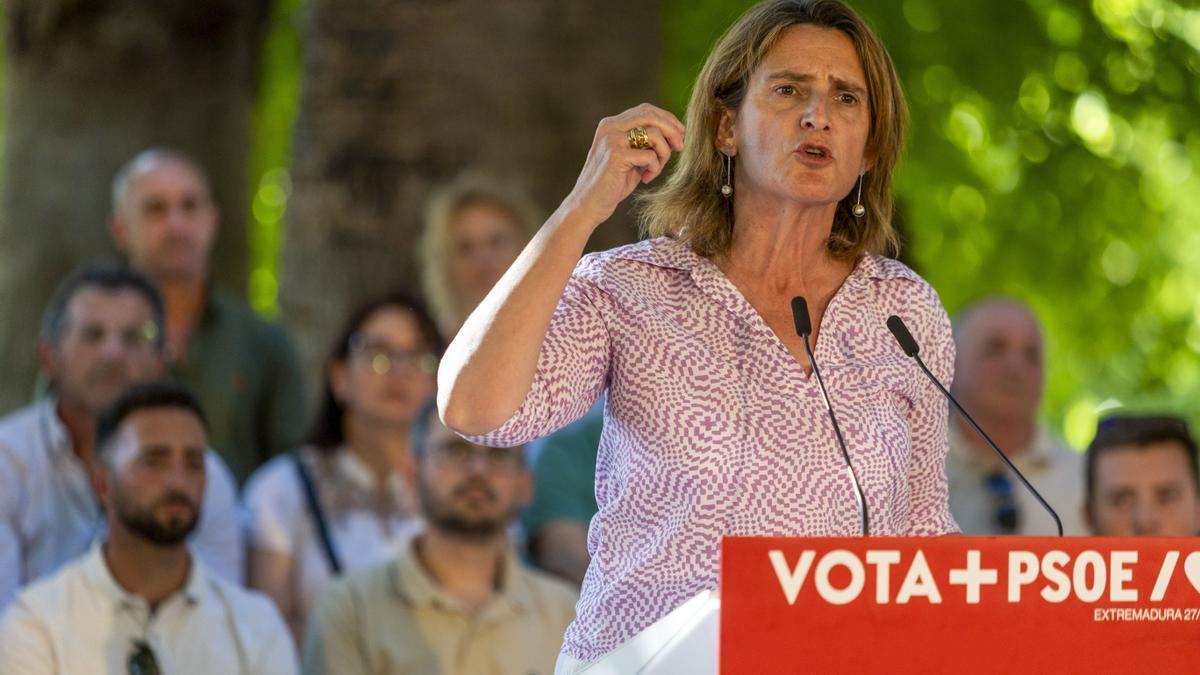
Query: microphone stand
[909,345]
[804,329]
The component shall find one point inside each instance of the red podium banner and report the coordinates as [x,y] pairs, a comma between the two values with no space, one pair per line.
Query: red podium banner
[960,604]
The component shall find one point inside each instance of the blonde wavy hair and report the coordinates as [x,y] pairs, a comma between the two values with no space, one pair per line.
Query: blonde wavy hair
[690,207]
[468,189]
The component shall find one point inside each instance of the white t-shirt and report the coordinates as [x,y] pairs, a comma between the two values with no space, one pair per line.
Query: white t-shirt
[49,513]
[80,621]
[368,523]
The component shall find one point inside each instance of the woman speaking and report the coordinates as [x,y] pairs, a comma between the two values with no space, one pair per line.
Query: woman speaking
[714,425]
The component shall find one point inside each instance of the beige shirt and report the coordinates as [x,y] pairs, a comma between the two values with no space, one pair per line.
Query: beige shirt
[394,619]
[79,621]
[1053,468]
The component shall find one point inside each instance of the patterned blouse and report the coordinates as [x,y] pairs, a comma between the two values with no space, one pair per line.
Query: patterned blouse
[713,429]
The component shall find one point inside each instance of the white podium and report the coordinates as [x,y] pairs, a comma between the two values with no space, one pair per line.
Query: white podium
[684,641]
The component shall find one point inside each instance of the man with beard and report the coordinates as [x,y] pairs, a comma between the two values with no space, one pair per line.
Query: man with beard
[139,602]
[244,369]
[101,332]
[998,378]
[457,600]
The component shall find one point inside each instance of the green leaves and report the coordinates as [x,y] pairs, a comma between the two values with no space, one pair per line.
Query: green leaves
[1054,156]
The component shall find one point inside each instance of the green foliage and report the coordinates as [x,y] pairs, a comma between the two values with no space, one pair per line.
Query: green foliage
[273,115]
[1054,157]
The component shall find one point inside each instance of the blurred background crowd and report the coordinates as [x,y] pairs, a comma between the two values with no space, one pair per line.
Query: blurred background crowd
[291,207]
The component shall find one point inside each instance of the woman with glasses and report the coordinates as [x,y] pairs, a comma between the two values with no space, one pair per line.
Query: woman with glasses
[347,499]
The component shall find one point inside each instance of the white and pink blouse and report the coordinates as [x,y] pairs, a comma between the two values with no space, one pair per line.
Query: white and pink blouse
[713,429]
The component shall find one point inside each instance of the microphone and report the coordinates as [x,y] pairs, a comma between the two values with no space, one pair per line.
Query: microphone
[804,329]
[909,345]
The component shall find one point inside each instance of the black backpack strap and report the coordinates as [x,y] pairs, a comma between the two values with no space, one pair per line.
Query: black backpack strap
[314,509]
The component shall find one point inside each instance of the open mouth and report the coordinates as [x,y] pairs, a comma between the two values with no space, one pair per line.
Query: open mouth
[815,151]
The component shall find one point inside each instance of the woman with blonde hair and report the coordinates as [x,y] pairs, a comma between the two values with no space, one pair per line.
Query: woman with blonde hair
[714,423]
[474,230]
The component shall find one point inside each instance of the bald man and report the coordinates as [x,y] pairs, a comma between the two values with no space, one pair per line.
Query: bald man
[244,369]
[999,376]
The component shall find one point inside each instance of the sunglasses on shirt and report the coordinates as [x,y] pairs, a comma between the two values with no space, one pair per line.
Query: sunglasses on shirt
[141,660]
[1006,517]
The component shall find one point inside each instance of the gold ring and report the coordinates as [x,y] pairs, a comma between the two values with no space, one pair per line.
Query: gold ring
[638,138]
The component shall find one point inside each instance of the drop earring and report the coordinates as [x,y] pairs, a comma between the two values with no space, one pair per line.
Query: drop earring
[859,210]
[727,186]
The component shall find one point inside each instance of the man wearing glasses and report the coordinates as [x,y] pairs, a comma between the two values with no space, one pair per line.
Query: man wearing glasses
[138,602]
[998,378]
[101,332]
[1142,478]
[456,600]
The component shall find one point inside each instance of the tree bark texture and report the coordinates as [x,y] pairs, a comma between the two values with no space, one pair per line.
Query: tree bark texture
[399,97]
[91,83]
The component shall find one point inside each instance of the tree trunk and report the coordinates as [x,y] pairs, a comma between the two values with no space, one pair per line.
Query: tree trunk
[91,83]
[398,97]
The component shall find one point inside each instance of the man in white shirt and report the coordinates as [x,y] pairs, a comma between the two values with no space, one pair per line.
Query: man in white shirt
[998,378]
[101,332]
[139,601]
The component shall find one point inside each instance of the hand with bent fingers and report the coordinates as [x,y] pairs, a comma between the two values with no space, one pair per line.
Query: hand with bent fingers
[506,331]
[614,167]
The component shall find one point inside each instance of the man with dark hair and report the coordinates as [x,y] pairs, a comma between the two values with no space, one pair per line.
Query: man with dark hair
[1142,478]
[456,600]
[999,374]
[244,369]
[101,332]
[139,602]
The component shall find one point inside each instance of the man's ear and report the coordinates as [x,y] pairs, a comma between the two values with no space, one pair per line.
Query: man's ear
[47,361]
[119,231]
[727,132]
[216,225]
[101,478]
[1086,511]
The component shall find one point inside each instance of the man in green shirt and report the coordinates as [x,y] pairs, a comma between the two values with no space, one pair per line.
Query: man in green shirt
[244,369]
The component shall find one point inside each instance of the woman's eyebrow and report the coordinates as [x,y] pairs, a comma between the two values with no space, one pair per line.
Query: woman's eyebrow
[796,76]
